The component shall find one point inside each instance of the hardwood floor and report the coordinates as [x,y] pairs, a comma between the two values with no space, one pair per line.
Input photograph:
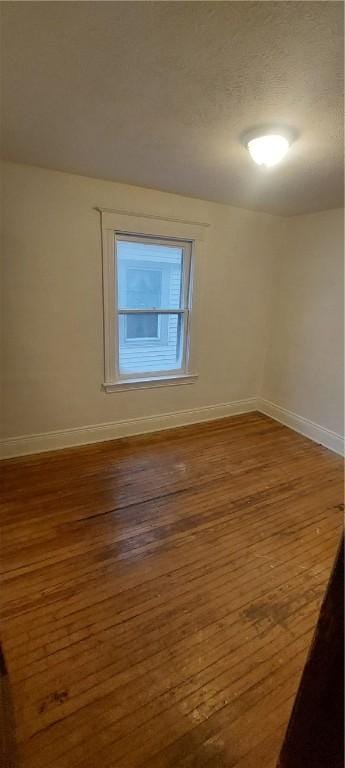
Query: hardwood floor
[160,594]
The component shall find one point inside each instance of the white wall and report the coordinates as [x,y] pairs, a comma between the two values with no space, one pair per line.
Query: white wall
[304,367]
[53,356]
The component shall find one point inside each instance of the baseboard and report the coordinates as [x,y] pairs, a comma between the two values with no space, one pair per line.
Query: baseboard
[66,438]
[95,433]
[315,432]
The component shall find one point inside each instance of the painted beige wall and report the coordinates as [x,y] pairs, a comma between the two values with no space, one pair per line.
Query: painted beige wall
[271,307]
[53,355]
[304,367]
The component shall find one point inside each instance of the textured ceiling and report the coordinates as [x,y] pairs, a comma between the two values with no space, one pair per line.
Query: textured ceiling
[158,94]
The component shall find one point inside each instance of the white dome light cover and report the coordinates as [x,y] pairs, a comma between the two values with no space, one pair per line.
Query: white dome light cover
[268,147]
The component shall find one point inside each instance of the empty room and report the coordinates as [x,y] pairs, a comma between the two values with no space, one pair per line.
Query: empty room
[172,384]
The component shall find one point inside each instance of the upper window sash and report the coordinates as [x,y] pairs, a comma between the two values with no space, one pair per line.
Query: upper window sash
[185,246]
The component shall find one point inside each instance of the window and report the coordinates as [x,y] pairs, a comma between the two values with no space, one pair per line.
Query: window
[148,279]
[153,285]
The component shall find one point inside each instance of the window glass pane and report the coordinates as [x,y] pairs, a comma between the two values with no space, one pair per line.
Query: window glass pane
[143,288]
[148,353]
[149,275]
[141,326]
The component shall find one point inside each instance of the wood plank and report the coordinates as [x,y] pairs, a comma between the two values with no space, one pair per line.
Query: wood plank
[160,593]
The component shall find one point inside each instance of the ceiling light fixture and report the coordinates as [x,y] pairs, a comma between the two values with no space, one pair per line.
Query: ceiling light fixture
[267,148]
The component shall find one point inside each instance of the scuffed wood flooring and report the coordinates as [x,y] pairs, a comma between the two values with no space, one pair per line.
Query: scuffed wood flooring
[160,594]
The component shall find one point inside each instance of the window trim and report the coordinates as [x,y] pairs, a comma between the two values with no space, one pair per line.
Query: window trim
[113,224]
[151,383]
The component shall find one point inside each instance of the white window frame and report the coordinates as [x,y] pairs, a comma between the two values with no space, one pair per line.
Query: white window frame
[124,224]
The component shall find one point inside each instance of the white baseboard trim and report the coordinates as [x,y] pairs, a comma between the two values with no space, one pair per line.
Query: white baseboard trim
[66,438]
[96,433]
[315,432]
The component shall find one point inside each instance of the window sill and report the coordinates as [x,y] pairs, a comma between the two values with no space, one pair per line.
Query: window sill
[150,383]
